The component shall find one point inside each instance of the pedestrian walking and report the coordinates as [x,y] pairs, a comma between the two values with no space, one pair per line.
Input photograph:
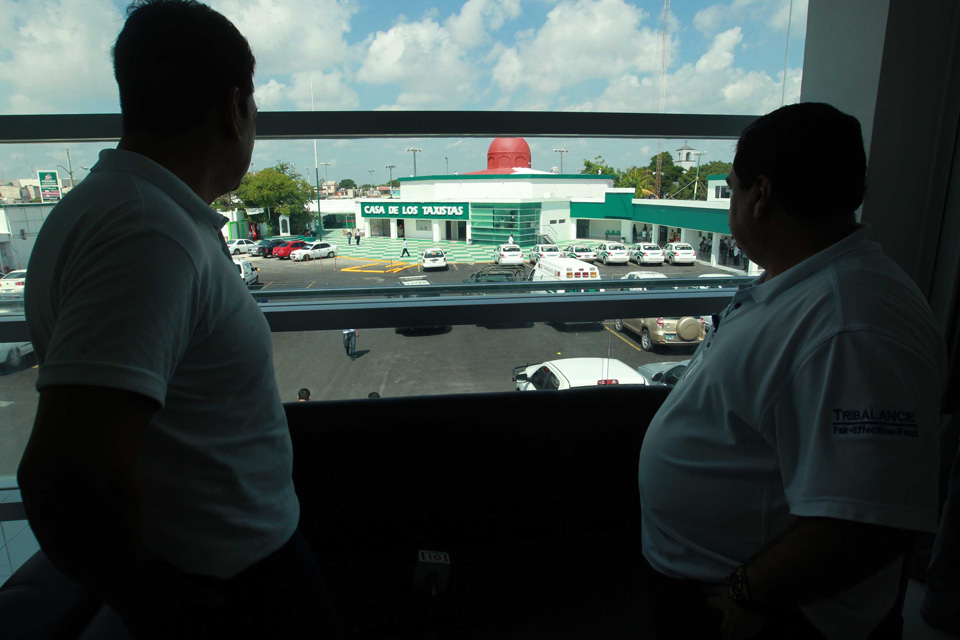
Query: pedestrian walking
[350,238]
[356,234]
[350,342]
[510,239]
[405,251]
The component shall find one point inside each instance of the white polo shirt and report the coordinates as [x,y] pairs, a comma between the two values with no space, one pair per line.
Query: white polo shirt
[817,395]
[132,287]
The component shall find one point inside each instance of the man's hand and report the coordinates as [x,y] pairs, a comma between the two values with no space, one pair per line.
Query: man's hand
[738,624]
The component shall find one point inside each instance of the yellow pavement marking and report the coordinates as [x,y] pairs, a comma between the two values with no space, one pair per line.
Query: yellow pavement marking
[621,337]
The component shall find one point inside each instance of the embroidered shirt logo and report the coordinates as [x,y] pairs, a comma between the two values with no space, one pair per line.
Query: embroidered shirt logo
[876,422]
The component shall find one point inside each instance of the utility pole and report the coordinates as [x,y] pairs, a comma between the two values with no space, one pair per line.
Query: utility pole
[665,40]
[561,152]
[370,171]
[447,160]
[316,167]
[696,183]
[414,150]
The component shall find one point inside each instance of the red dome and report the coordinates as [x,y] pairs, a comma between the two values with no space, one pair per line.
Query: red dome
[507,153]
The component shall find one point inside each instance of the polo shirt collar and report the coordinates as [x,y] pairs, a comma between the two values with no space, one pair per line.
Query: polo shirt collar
[762,291]
[163,178]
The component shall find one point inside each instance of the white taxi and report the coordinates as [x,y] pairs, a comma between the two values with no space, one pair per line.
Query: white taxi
[612,253]
[543,251]
[646,253]
[434,259]
[679,253]
[569,373]
[508,254]
[580,252]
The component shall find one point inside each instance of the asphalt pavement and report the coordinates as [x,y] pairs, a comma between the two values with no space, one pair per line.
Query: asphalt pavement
[455,360]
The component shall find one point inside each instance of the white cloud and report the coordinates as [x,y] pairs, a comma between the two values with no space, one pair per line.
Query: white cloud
[579,41]
[59,55]
[782,15]
[270,96]
[720,55]
[469,27]
[287,36]
[708,21]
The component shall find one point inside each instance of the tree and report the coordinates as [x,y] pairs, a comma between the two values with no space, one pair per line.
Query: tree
[279,190]
[641,180]
[347,183]
[671,172]
[394,183]
[685,188]
[598,166]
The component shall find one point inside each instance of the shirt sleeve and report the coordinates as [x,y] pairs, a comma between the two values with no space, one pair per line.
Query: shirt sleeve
[125,314]
[856,431]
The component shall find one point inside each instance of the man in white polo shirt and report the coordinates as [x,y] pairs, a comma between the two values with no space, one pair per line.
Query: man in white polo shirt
[782,478]
[159,468]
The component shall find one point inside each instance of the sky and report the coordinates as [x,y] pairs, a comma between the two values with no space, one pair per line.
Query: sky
[540,55]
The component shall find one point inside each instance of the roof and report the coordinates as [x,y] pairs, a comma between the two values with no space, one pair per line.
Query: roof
[585,372]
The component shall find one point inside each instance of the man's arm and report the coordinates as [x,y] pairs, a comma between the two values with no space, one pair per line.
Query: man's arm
[80,466]
[819,557]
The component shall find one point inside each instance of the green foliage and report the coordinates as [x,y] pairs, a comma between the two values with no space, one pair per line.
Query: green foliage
[684,190]
[598,166]
[394,183]
[347,183]
[641,179]
[280,190]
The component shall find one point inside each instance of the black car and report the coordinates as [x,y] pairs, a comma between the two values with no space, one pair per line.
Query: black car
[265,248]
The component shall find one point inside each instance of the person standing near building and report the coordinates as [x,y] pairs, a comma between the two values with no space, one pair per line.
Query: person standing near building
[723,251]
[357,234]
[644,233]
[736,254]
[405,251]
[510,239]
[784,506]
[196,513]
[350,237]
[350,342]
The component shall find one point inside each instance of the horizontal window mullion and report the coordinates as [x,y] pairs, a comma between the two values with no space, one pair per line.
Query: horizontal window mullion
[293,125]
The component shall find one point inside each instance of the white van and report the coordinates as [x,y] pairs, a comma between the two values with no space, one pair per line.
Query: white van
[567,270]
[248,272]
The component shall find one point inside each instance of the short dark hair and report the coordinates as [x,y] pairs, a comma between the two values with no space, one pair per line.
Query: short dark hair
[373,394]
[303,394]
[789,144]
[173,60]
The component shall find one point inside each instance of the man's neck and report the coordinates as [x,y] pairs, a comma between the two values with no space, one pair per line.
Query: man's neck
[186,156]
[794,242]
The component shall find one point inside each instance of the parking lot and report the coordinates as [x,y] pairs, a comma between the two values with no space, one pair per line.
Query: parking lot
[459,359]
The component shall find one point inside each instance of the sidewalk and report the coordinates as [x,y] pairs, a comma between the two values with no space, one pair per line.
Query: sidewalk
[381,248]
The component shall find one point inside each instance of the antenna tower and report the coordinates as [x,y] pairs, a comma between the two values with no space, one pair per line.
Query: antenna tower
[663,84]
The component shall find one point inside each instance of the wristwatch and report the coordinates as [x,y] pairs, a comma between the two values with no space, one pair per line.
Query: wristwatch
[738,589]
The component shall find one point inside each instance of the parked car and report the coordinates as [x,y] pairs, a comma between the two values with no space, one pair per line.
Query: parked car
[285,249]
[575,372]
[664,332]
[14,282]
[612,253]
[313,251]
[543,251]
[663,373]
[265,247]
[580,252]
[508,254]
[248,272]
[642,275]
[646,253]
[679,253]
[434,259]
[11,354]
[241,245]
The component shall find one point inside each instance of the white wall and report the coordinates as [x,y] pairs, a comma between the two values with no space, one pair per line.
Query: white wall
[508,190]
[564,228]
[15,219]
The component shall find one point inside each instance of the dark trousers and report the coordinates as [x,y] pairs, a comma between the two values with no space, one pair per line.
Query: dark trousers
[404,252]
[679,610]
[358,241]
[282,596]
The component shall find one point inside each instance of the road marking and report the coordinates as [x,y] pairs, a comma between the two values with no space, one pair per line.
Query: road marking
[621,337]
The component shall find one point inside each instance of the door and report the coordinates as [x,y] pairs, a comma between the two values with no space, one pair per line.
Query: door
[583,228]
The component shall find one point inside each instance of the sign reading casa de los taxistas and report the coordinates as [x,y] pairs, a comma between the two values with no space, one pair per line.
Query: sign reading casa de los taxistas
[422,210]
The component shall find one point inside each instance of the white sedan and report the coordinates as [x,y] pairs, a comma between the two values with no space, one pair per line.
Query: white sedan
[241,245]
[434,259]
[313,251]
[642,275]
[612,253]
[508,254]
[679,253]
[544,251]
[581,252]
[646,253]
[14,282]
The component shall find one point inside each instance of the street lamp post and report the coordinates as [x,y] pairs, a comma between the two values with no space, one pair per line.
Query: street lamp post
[447,160]
[414,150]
[370,171]
[561,152]
[391,168]
[696,183]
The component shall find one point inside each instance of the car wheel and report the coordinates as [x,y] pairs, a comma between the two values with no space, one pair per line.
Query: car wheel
[330,254]
[604,260]
[618,325]
[645,340]
[13,359]
[236,252]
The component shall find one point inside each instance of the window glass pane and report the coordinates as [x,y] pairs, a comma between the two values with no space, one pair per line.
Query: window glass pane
[340,55]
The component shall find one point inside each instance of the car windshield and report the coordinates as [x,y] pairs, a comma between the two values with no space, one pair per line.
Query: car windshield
[510,249]
[433,254]
[549,247]
[651,247]
[683,247]
[15,275]
[583,249]
[617,247]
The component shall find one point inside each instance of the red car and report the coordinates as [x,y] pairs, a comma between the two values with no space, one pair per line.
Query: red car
[283,251]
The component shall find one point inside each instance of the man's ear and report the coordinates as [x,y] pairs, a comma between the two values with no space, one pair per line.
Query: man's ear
[230,113]
[763,193]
